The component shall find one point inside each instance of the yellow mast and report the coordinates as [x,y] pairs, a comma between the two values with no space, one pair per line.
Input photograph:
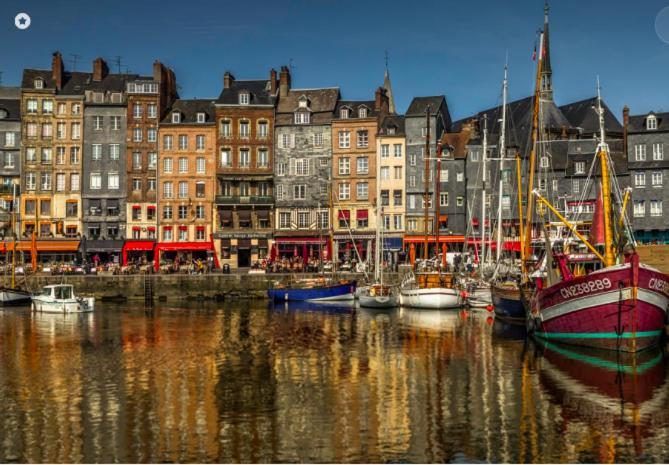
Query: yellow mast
[609,257]
[535,136]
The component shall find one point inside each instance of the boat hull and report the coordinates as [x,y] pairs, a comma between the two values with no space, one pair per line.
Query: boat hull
[69,306]
[479,298]
[337,292]
[431,298]
[623,307]
[507,303]
[14,297]
[380,301]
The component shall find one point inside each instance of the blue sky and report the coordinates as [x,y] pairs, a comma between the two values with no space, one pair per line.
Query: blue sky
[435,47]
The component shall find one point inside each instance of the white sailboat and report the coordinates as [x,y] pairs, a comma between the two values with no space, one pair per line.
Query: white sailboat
[429,287]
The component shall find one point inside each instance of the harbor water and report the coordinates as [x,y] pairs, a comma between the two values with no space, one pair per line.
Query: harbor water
[254,382]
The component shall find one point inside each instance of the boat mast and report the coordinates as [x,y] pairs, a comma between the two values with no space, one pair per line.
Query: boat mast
[535,136]
[426,197]
[502,154]
[609,257]
[437,206]
[377,251]
[13,236]
[483,188]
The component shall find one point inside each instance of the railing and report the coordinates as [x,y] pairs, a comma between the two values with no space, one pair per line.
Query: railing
[245,200]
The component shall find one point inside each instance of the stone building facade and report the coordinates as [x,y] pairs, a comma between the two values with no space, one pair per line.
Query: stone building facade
[245,148]
[148,97]
[10,152]
[647,141]
[302,170]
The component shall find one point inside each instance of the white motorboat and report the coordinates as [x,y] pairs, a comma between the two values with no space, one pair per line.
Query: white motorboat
[60,298]
[429,294]
[477,293]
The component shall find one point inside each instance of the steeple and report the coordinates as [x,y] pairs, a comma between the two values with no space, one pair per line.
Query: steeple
[389,89]
[546,71]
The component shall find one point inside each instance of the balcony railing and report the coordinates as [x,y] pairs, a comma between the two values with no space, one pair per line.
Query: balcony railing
[245,200]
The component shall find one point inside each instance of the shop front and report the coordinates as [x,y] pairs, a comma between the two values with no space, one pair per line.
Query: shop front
[46,250]
[102,251]
[354,247]
[242,250]
[137,251]
[185,253]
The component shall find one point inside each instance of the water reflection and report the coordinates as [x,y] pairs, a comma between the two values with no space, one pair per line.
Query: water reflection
[260,383]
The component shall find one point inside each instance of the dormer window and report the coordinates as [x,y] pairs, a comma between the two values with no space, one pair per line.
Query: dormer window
[362,112]
[201,117]
[343,113]
[244,98]
[391,130]
[651,123]
[39,83]
[302,117]
[176,117]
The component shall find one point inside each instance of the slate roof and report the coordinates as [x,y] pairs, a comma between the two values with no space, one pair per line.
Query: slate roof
[259,91]
[12,107]
[322,103]
[582,115]
[390,121]
[354,106]
[189,108]
[637,123]
[418,105]
[76,83]
[10,93]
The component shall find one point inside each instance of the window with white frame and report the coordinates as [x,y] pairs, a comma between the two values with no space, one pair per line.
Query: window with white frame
[344,166]
[112,181]
[199,142]
[318,139]
[183,189]
[152,134]
[281,169]
[344,191]
[226,128]
[244,129]
[31,180]
[137,184]
[579,167]
[640,152]
[544,162]
[323,220]
[363,139]
[362,112]
[398,172]
[263,129]
[200,165]
[302,117]
[344,139]
[97,123]
[74,182]
[397,149]
[302,167]
[60,155]
[363,165]
[655,208]
[38,83]
[303,220]
[412,180]
[443,199]
[343,113]
[226,157]
[244,98]
[279,191]
[167,165]
[46,156]
[176,117]
[153,160]
[575,186]
[10,139]
[8,160]
[460,201]
[114,151]
[168,141]
[639,208]
[46,181]
[152,110]
[47,107]
[47,130]
[397,220]
[137,135]
[284,220]
[287,141]
[137,110]
[656,178]
[385,173]
[460,177]
[412,224]
[96,181]
[658,151]
[183,165]
[362,191]
[97,152]
[300,191]
[263,158]
[60,182]
[412,159]
[651,123]
[244,158]
[263,189]
[183,142]
[201,117]
[385,150]
[639,179]
[116,123]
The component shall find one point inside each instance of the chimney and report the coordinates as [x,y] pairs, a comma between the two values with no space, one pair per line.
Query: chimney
[563,133]
[158,71]
[100,69]
[228,79]
[272,81]
[57,70]
[626,122]
[284,81]
[381,102]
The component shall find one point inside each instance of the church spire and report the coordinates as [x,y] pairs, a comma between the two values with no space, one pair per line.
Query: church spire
[546,71]
[389,89]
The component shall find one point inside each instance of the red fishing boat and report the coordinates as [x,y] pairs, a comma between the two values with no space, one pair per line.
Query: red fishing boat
[622,305]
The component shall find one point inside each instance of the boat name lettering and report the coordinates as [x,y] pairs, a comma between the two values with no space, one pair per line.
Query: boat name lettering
[659,285]
[585,288]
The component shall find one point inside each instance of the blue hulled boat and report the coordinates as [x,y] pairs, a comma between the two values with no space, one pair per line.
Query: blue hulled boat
[507,302]
[313,290]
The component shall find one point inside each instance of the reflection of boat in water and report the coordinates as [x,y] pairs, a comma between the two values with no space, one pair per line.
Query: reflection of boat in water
[321,307]
[508,330]
[597,383]
[429,319]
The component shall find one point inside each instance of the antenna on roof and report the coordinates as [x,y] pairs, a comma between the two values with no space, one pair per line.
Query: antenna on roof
[117,62]
[75,58]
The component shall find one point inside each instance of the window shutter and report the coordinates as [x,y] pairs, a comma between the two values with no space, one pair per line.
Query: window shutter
[292,141]
[291,166]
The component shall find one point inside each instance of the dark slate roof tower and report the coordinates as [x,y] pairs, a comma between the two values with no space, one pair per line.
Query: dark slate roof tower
[546,71]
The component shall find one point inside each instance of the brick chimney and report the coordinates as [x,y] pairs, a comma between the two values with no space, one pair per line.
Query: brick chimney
[626,122]
[381,103]
[57,70]
[228,79]
[158,71]
[272,81]
[100,69]
[284,81]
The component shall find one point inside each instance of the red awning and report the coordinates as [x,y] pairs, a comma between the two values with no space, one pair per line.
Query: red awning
[136,207]
[183,228]
[136,228]
[361,214]
[169,228]
[344,214]
[138,245]
[199,228]
[182,247]
[151,228]
[475,221]
[151,207]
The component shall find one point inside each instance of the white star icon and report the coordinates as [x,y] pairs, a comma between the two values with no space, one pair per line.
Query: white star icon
[22,21]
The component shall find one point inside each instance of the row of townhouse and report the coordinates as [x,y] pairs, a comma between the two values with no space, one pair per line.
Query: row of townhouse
[121,166]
